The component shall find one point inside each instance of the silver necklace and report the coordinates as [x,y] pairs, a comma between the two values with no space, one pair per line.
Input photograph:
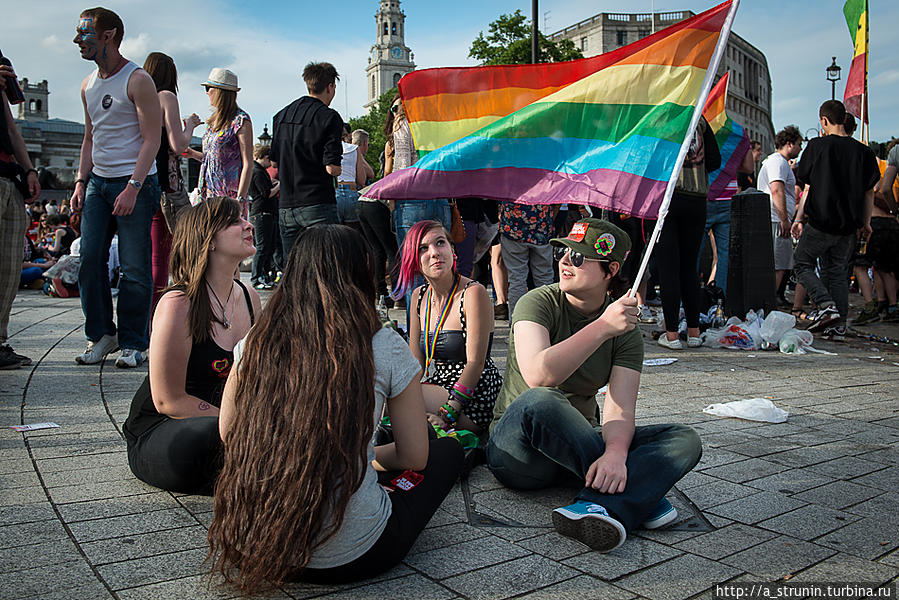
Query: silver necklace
[224,320]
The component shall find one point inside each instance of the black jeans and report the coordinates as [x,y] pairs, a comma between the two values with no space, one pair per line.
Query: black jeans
[179,455]
[374,218]
[678,250]
[411,512]
[834,251]
[264,239]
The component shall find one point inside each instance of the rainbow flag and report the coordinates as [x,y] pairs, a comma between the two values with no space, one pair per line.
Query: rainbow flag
[733,142]
[604,131]
[856,12]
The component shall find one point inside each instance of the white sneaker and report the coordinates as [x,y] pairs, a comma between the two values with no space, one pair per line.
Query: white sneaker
[130,358]
[97,351]
[646,315]
[694,342]
[674,344]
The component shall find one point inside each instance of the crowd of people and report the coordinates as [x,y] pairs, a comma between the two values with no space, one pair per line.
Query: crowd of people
[275,410]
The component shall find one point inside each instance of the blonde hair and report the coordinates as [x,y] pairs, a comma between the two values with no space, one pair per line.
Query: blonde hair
[224,104]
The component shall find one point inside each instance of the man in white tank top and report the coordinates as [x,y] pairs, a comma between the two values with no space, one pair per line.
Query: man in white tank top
[116,189]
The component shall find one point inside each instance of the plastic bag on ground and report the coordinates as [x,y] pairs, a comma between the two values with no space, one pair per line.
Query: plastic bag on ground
[753,409]
[795,341]
[735,335]
[777,324]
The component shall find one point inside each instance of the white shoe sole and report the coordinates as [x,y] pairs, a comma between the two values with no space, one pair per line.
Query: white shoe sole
[82,361]
[599,532]
[664,342]
[662,520]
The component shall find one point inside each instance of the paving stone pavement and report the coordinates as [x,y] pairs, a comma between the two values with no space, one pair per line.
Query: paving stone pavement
[808,500]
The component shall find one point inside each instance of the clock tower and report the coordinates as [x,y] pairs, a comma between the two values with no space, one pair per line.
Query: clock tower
[390,58]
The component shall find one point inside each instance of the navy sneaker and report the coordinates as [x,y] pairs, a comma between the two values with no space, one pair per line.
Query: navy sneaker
[663,514]
[590,524]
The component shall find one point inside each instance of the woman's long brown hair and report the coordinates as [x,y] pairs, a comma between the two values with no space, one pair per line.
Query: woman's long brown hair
[191,245]
[304,403]
[224,109]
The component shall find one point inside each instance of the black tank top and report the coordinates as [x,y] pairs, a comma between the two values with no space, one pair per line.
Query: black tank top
[450,345]
[207,369]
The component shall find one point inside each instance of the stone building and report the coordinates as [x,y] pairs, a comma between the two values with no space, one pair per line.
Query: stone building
[52,144]
[749,91]
[390,57]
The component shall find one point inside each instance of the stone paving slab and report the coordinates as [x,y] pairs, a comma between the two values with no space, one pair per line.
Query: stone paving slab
[813,498]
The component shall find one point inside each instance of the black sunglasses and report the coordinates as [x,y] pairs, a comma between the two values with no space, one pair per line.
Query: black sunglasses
[395,108]
[576,258]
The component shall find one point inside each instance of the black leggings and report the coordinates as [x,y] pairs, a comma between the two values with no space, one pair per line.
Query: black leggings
[678,250]
[411,512]
[374,218]
[179,455]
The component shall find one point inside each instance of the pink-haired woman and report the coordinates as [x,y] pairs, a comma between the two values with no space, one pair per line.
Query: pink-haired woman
[450,331]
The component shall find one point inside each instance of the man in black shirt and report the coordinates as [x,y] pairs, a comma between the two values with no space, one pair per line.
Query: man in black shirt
[839,175]
[306,144]
[263,212]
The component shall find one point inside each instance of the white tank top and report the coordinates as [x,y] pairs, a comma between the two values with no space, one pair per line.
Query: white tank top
[116,132]
[348,164]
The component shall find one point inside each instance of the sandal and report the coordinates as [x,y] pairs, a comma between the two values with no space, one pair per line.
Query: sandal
[799,313]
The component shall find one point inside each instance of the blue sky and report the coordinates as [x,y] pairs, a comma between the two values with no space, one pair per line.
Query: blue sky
[267,47]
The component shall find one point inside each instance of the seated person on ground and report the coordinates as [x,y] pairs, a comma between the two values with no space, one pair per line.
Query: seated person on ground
[172,430]
[299,494]
[452,336]
[568,340]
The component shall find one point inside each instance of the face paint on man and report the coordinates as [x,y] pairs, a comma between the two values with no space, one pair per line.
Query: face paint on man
[86,38]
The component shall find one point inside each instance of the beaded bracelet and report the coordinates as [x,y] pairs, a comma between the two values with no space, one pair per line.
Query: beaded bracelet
[448,413]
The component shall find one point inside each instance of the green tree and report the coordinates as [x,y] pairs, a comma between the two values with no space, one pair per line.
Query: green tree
[509,42]
[373,123]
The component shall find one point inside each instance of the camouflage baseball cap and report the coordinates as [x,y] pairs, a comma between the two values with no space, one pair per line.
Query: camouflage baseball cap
[597,239]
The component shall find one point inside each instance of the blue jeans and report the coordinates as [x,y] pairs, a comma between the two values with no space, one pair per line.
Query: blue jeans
[717,219]
[409,212]
[98,225]
[346,204]
[30,274]
[264,240]
[292,222]
[542,441]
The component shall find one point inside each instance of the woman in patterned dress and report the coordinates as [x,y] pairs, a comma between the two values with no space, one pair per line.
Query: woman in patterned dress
[458,318]
[227,159]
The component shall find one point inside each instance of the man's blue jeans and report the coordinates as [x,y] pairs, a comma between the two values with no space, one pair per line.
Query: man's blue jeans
[292,222]
[717,219]
[409,212]
[346,204]
[543,441]
[98,225]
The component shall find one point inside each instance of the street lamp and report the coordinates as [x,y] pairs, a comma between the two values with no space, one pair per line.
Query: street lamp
[833,76]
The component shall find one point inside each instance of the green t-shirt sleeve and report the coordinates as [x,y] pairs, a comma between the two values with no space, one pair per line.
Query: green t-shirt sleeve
[628,351]
[535,306]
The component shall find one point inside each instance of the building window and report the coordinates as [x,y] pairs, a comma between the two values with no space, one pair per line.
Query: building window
[583,44]
[385,28]
[393,29]
[396,79]
[642,33]
[373,90]
[621,35]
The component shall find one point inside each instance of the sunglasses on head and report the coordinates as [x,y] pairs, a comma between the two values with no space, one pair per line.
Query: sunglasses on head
[575,258]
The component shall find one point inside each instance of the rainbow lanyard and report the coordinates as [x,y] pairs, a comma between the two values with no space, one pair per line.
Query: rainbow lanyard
[431,345]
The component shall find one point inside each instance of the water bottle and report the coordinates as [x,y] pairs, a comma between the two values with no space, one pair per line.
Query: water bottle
[719,319]
[13,91]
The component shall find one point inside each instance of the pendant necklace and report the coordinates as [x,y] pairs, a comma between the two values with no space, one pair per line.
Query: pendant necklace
[224,320]
[431,344]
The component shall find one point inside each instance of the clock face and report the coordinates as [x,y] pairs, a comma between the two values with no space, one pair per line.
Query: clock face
[396,52]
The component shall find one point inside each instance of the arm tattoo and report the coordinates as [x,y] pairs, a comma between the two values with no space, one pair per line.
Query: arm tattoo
[203,406]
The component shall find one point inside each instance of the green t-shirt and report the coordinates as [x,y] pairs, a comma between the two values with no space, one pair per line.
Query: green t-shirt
[547,306]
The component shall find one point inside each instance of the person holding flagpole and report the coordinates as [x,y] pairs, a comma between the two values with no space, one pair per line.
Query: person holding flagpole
[567,341]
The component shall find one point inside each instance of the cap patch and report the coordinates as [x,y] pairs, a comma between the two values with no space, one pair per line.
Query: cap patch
[604,244]
[578,232]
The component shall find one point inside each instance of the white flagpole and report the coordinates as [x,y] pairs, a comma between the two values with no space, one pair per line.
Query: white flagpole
[697,113]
